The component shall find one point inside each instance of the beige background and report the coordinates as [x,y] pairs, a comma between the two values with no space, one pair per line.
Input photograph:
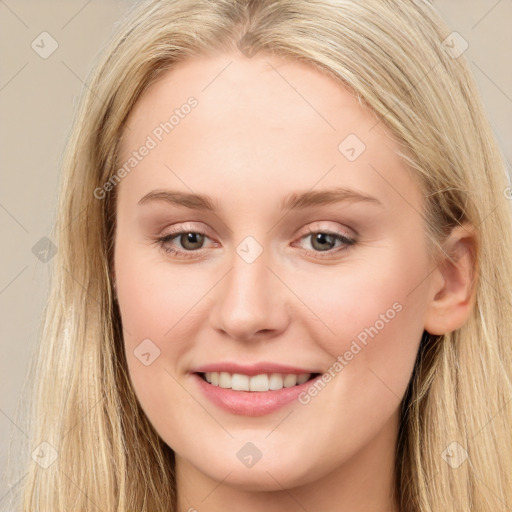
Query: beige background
[36,101]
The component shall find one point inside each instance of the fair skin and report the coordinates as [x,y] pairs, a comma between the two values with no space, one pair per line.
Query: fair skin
[252,140]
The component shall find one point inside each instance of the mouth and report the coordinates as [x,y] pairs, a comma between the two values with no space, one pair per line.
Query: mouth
[260,383]
[253,395]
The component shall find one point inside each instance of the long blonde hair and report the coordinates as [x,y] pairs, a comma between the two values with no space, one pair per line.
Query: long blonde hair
[401,61]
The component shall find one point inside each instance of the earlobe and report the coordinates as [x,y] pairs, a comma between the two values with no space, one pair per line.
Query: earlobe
[453,283]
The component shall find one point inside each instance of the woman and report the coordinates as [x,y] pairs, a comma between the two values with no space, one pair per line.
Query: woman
[203,348]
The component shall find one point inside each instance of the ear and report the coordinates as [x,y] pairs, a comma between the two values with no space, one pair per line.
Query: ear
[452,291]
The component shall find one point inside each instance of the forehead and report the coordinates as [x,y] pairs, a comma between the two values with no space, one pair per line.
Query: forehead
[254,122]
[265,94]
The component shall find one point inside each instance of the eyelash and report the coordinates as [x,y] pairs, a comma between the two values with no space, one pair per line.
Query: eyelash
[164,241]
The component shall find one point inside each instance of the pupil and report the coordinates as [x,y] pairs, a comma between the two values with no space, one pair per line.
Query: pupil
[191,238]
[320,237]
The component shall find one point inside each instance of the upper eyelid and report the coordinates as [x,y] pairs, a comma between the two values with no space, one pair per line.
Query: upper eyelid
[184,229]
[311,228]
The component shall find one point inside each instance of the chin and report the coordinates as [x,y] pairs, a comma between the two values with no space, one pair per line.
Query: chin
[263,476]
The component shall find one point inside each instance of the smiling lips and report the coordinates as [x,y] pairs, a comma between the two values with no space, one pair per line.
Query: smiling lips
[252,390]
[261,377]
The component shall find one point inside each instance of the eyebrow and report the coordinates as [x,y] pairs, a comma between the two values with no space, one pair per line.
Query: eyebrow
[294,201]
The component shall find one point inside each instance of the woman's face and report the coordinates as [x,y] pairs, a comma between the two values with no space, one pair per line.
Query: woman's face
[308,257]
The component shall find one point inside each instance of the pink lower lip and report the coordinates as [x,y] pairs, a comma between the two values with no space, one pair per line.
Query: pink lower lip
[251,403]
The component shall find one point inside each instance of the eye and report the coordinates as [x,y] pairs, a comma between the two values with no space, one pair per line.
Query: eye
[189,240]
[325,242]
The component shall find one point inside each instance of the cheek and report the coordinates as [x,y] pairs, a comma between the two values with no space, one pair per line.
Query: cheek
[152,300]
[159,304]
[153,296]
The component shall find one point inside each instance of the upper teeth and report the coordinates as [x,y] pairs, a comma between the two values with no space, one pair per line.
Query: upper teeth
[263,382]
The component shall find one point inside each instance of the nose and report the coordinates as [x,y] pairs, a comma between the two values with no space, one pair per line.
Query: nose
[251,301]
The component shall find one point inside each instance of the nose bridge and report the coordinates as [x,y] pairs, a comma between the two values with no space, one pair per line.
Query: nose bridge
[249,299]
